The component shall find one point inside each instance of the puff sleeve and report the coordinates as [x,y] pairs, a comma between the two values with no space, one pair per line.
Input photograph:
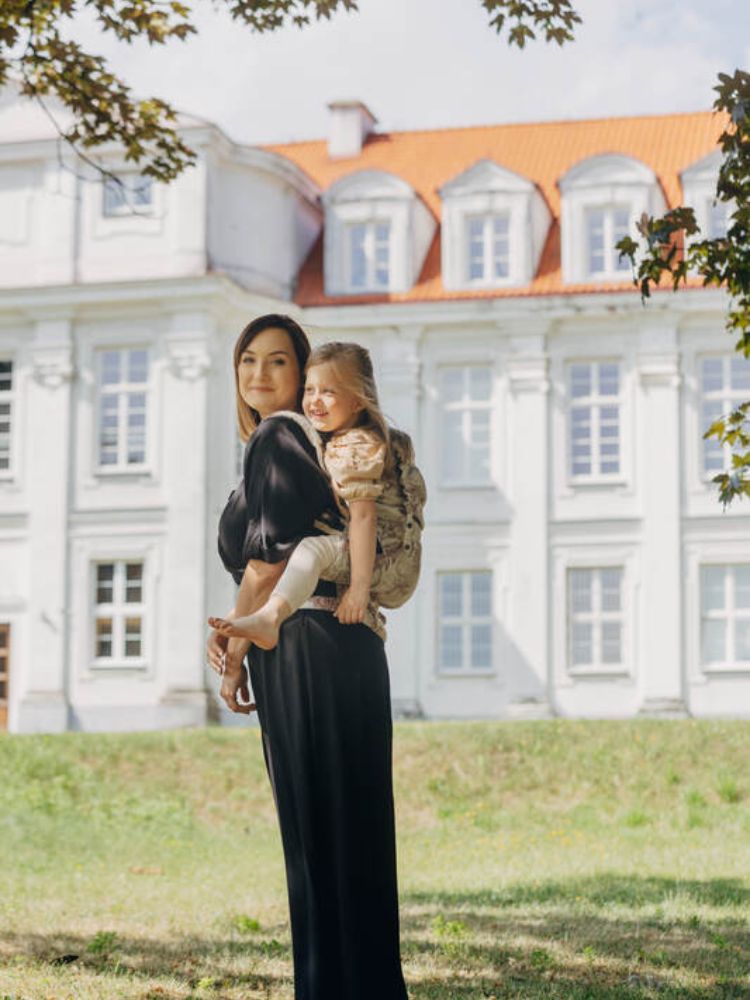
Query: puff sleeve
[355,460]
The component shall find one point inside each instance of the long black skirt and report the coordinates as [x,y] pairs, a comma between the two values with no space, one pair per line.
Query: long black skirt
[324,708]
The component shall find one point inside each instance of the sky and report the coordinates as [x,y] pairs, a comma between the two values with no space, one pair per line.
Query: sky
[420,64]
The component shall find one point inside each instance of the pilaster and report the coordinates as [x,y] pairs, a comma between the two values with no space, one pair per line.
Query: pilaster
[185,443]
[528,625]
[43,706]
[659,649]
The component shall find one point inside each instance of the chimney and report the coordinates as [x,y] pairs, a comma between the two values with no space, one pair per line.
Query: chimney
[351,123]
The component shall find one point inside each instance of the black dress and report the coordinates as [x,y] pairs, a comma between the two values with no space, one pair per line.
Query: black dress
[323,704]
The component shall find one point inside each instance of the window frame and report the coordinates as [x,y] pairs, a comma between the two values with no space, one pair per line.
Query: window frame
[119,610]
[729,665]
[127,188]
[5,658]
[597,402]
[10,397]
[370,227]
[121,390]
[465,407]
[465,621]
[597,667]
[587,555]
[610,272]
[488,219]
[713,206]
[726,395]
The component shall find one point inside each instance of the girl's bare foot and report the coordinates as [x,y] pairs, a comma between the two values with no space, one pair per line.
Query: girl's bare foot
[261,628]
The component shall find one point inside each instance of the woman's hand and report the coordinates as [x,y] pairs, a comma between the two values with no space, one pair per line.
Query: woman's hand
[234,679]
[352,605]
[233,685]
[216,648]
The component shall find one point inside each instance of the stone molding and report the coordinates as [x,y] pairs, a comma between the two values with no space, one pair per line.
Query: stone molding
[52,368]
[659,370]
[189,360]
[528,374]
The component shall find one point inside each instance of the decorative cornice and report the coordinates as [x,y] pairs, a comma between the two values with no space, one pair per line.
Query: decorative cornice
[52,367]
[189,361]
[659,370]
[528,373]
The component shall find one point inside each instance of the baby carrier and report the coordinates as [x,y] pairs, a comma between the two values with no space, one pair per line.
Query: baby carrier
[403,571]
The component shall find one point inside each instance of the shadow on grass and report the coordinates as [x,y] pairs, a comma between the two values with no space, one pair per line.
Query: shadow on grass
[603,890]
[604,936]
[596,938]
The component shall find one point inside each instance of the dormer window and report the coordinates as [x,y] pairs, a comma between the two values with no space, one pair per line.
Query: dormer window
[369,256]
[130,194]
[601,199]
[604,228]
[494,226]
[699,190]
[377,234]
[488,248]
[717,215]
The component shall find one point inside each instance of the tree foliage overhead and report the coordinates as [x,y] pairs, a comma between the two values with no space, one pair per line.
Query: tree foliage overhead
[37,45]
[676,254]
[38,49]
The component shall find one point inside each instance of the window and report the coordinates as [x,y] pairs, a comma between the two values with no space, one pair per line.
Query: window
[118,612]
[595,618]
[239,456]
[718,219]
[724,384]
[604,228]
[594,390]
[6,414]
[725,616]
[488,257]
[128,195]
[465,622]
[123,397]
[4,670]
[466,399]
[369,256]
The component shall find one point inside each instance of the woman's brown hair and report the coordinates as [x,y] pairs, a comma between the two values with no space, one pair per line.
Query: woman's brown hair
[248,418]
[352,368]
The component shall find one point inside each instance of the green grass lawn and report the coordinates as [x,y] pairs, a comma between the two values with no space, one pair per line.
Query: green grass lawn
[551,859]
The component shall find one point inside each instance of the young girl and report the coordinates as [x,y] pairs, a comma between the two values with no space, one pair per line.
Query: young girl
[360,454]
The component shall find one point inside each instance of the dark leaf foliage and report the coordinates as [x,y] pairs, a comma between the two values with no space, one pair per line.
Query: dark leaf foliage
[673,252]
[35,47]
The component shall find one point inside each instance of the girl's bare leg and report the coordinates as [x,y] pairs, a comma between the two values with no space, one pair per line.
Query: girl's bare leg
[310,560]
[261,627]
[257,583]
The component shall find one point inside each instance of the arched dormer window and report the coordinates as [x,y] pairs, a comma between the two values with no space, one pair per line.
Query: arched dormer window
[602,197]
[377,233]
[699,191]
[493,230]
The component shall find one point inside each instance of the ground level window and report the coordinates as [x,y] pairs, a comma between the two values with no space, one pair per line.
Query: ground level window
[6,413]
[464,622]
[725,616]
[4,671]
[119,609]
[595,618]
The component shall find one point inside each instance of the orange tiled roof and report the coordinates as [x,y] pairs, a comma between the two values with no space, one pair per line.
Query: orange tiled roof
[542,152]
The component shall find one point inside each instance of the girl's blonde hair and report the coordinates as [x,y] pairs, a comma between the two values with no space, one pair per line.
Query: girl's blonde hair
[352,369]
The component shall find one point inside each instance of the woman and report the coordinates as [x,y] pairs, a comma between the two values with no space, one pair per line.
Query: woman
[322,695]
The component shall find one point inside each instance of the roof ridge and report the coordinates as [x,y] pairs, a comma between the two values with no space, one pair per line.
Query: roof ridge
[706,112]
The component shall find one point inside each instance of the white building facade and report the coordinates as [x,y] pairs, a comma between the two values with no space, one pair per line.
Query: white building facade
[576,559]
